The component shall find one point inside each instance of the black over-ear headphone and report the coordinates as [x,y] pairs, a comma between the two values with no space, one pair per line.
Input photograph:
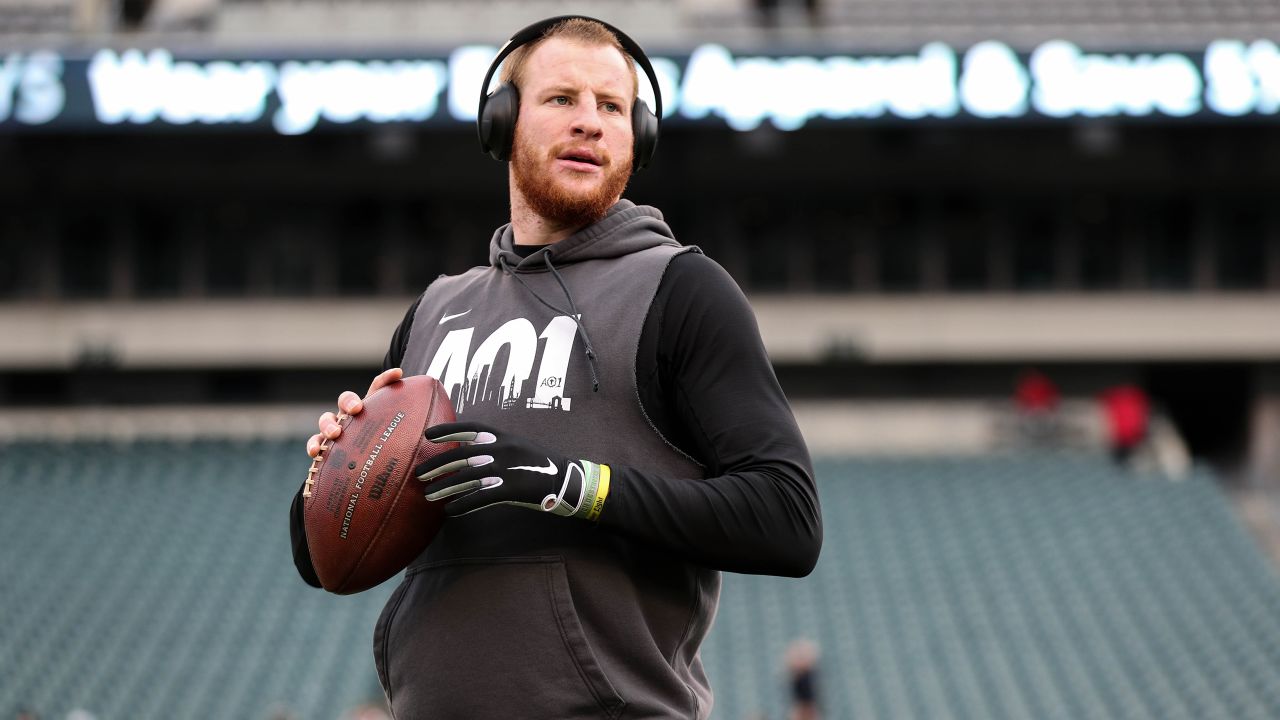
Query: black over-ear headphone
[496,119]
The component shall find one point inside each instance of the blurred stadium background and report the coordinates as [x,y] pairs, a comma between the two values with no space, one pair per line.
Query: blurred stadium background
[963,225]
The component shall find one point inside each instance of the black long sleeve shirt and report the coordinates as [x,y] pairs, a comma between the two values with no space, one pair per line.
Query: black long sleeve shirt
[706,383]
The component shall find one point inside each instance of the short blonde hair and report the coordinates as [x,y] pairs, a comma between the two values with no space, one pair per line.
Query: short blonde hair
[580,30]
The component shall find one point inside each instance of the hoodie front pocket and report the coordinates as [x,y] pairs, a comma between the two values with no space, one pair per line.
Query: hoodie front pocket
[492,638]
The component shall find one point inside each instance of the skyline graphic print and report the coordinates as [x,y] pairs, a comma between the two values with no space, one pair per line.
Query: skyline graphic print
[500,371]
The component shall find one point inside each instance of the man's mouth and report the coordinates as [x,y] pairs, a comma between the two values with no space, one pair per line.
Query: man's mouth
[581,157]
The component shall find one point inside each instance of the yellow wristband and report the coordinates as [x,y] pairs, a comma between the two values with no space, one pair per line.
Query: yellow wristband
[602,492]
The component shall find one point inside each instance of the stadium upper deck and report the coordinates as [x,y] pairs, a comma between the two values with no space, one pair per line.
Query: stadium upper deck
[1135,225]
[870,25]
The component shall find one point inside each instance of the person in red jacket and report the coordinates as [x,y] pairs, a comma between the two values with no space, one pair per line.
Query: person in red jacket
[1127,412]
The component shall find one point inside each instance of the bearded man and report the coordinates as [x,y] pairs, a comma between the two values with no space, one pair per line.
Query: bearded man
[623,438]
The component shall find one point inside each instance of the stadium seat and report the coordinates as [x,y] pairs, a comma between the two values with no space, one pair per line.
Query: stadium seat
[154,579]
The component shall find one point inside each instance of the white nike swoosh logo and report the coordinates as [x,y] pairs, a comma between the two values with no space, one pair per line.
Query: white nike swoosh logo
[548,469]
[447,318]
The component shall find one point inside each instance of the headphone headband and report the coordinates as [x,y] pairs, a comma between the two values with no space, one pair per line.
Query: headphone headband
[535,32]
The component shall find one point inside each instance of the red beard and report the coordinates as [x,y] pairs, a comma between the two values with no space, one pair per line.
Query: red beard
[558,204]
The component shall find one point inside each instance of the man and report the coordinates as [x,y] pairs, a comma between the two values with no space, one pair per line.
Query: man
[602,483]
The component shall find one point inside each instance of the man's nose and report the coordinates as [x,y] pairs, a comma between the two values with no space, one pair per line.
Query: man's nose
[587,123]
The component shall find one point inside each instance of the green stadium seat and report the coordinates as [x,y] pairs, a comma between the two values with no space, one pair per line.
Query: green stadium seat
[154,580]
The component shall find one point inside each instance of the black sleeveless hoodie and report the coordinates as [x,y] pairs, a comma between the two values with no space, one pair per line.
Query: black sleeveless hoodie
[516,614]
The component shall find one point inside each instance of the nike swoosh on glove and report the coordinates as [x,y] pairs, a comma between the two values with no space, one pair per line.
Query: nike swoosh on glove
[493,467]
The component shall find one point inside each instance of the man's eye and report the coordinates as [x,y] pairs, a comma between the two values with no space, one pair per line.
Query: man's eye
[612,107]
[560,100]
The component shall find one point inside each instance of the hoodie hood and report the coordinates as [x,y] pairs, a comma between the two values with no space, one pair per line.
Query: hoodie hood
[627,228]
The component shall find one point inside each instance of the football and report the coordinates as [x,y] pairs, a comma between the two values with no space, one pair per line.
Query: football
[365,514]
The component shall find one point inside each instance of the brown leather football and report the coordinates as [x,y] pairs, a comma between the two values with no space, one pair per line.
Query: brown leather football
[365,513]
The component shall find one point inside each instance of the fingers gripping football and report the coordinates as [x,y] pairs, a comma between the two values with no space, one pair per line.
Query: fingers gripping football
[497,468]
[349,403]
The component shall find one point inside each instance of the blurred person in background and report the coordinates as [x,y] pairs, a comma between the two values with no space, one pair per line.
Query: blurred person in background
[802,671]
[1036,394]
[1036,397]
[591,507]
[1127,411]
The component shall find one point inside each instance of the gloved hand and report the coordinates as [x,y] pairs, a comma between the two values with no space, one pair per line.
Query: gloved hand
[497,468]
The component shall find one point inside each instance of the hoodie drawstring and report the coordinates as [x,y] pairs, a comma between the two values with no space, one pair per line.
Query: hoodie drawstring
[572,312]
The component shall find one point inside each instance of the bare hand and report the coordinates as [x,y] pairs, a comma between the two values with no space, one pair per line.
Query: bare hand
[349,403]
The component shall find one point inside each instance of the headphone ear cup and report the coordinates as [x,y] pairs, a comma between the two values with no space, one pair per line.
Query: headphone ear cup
[498,121]
[644,131]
